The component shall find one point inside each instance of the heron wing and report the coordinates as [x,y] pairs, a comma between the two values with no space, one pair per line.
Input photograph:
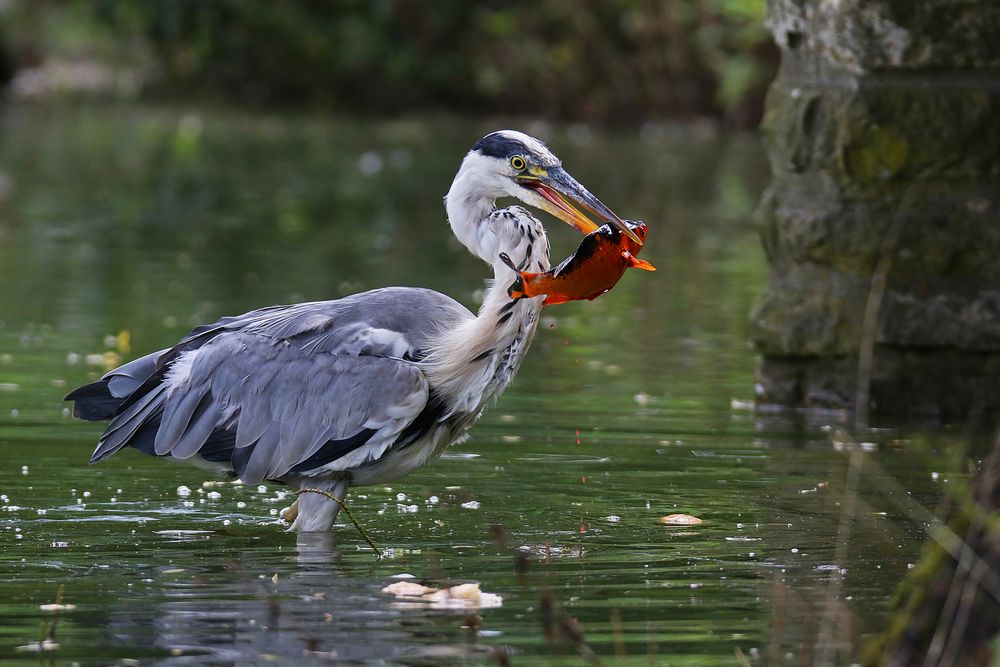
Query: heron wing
[316,386]
[285,404]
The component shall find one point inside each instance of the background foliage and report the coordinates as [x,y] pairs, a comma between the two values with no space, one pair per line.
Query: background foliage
[602,60]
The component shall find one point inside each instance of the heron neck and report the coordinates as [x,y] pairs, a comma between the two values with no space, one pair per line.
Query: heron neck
[467,209]
[473,362]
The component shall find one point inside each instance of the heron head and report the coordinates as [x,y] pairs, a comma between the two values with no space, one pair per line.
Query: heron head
[511,163]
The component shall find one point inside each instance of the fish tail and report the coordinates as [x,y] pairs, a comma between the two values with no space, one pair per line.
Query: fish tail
[516,290]
[636,263]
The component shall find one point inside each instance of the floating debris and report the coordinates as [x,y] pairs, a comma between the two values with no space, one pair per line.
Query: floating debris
[38,647]
[680,520]
[462,596]
[408,589]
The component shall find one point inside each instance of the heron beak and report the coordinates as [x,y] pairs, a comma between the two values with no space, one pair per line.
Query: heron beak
[561,191]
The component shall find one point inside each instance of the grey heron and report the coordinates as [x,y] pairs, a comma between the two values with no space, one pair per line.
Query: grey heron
[363,389]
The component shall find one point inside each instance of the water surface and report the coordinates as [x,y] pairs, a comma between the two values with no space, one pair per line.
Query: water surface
[121,228]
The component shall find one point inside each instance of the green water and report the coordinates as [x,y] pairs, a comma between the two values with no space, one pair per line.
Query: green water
[629,408]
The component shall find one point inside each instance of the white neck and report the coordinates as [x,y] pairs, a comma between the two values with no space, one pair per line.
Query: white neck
[469,202]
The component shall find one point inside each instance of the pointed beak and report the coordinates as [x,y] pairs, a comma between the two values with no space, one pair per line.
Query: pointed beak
[562,193]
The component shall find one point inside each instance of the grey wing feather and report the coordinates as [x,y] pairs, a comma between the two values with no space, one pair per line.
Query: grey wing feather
[289,379]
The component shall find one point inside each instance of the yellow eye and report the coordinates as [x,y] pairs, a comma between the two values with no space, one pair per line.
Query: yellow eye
[518,163]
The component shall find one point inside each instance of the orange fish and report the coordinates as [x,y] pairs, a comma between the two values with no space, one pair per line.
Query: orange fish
[595,267]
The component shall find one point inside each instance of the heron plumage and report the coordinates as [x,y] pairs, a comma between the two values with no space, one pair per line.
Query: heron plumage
[359,390]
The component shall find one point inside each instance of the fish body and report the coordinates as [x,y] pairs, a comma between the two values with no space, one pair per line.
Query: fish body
[596,266]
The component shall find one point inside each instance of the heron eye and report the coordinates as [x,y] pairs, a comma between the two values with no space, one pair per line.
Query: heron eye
[518,163]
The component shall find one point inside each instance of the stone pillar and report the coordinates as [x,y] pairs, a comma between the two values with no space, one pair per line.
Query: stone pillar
[883,129]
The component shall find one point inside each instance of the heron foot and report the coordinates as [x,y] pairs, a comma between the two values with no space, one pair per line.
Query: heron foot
[291,512]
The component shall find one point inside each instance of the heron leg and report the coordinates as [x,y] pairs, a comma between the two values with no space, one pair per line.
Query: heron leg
[290,512]
[317,512]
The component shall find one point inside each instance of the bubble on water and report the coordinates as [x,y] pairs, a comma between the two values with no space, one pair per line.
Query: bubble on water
[188,503]
[401,497]
[114,499]
[214,495]
[226,522]
[261,489]
[471,505]
[72,358]
[42,512]
[274,512]
[183,490]
[15,412]
[241,504]
[935,476]
[86,494]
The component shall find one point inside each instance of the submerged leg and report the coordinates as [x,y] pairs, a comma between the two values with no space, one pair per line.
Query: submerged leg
[317,512]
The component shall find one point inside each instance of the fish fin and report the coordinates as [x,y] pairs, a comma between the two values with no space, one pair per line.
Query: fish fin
[635,263]
[597,294]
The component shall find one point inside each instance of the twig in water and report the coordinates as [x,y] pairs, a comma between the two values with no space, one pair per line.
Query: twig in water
[343,506]
[618,632]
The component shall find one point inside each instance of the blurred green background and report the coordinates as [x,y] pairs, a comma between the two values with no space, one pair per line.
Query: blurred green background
[617,61]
